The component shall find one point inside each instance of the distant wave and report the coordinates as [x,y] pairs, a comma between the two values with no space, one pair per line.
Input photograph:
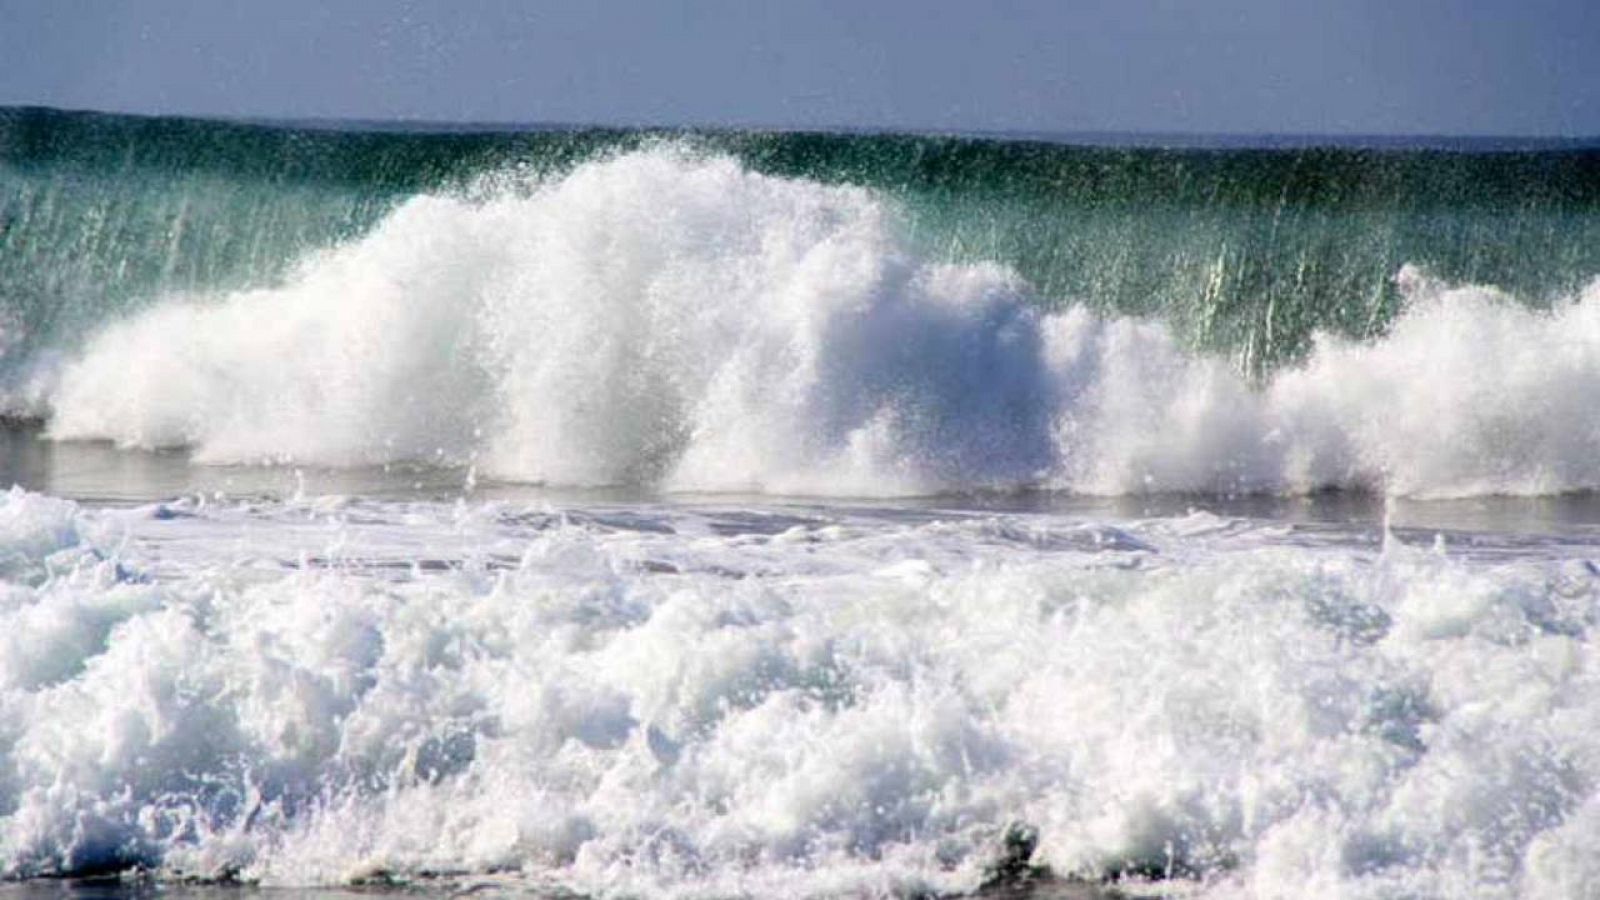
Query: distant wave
[672,318]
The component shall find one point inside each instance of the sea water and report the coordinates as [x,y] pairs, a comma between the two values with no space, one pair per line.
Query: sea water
[636,514]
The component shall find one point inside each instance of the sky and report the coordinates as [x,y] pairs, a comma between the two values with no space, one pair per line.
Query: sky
[1372,67]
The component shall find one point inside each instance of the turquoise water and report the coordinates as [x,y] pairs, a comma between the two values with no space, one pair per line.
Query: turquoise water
[1244,249]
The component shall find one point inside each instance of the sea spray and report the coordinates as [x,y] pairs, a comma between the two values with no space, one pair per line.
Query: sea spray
[1245,249]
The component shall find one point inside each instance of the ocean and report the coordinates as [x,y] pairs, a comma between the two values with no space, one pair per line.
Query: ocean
[723,513]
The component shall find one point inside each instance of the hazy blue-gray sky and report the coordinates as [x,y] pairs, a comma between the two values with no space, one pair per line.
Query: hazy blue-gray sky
[1291,66]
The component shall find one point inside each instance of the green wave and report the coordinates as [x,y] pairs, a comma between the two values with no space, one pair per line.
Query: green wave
[1247,251]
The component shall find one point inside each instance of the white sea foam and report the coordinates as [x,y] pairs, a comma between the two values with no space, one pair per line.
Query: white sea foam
[680,702]
[680,321]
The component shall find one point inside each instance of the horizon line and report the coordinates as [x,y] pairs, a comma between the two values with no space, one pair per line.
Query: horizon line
[1153,139]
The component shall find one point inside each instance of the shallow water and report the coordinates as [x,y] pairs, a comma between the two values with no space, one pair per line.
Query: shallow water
[100,472]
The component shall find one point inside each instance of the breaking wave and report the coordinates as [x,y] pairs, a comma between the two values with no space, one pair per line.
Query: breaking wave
[675,319]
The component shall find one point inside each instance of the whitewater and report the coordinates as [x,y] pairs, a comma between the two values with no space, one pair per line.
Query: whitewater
[720,701]
[674,321]
[621,514]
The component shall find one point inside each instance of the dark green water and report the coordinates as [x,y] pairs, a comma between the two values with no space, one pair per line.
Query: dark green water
[1244,250]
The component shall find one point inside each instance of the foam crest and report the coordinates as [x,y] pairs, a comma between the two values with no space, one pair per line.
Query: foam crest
[674,320]
[1470,393]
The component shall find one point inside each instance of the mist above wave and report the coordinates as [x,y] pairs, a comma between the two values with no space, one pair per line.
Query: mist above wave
[678,320]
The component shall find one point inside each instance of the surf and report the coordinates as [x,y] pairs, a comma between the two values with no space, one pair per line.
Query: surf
[728,701]
[859,315]
[343,611]
[671,318]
